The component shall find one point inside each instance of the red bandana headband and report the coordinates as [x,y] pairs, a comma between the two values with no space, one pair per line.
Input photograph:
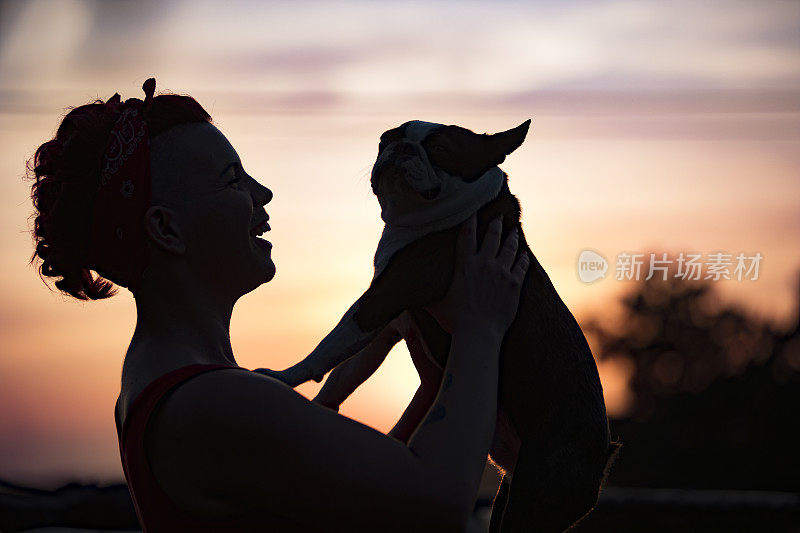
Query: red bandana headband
[118,248]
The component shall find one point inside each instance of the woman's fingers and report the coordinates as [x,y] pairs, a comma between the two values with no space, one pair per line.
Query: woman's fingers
[521,267]
[466,242]
[509,251]
[491,241]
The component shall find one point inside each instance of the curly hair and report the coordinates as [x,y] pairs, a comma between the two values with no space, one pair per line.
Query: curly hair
[66,174]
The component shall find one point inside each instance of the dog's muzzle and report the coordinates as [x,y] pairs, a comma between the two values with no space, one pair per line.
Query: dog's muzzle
[406,161]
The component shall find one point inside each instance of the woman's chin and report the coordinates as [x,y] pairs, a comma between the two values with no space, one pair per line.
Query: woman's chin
[271,270]
[263,248]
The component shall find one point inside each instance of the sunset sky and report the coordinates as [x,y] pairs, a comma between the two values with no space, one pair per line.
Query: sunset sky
[656,127]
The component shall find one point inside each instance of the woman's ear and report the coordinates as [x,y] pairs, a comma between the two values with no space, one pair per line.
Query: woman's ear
[161,226]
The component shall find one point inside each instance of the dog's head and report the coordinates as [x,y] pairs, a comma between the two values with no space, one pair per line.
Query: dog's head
[422,164]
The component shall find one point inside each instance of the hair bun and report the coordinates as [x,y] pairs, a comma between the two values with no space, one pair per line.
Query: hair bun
[66,171]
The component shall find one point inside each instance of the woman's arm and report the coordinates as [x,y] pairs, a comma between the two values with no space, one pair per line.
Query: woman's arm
[230,441]
[233,441]
[456,433]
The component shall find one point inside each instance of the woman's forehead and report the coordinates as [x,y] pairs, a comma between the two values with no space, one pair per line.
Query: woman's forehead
[194,148]
[188,159]
[201,140]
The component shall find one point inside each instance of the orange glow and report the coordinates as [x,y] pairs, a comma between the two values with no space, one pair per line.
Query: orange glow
[635,145]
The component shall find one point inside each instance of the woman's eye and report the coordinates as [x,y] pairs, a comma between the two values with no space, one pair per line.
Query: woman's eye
[237,180]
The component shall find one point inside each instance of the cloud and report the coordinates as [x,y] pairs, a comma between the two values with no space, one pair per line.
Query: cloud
[435,46]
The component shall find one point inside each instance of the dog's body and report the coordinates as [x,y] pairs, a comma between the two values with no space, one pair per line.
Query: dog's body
[552,439]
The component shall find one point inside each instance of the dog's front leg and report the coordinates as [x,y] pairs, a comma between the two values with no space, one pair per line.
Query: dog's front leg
[345,340]
[430,377]
[351,373]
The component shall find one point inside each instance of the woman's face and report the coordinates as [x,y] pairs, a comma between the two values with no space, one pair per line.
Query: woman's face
[198,174]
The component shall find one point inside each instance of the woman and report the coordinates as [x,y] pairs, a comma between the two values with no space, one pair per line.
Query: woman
[152,197]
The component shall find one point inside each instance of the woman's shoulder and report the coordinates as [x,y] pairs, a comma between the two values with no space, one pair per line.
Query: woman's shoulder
[210,398]
[200,423]
[144,373]
[232,404]
[226,388]
[235,440]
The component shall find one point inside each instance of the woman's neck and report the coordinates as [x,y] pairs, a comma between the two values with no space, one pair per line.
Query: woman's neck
[178,315]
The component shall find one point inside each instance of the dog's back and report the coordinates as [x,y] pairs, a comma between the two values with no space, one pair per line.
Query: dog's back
[550,389]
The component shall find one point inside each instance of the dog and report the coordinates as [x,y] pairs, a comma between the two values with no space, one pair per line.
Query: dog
[552,441]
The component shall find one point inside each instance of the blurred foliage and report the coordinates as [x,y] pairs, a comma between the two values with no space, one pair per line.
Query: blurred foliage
[717,391]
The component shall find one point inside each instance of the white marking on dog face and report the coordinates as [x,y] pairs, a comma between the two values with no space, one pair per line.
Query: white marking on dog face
[418,172]
[417,130]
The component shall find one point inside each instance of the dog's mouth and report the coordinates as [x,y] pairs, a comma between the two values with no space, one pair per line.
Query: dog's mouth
[431,194]
[389,178]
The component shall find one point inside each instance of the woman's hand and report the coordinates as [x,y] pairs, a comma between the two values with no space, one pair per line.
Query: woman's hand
[486,285]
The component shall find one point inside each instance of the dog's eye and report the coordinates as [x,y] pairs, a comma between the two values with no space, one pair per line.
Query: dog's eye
[438,148]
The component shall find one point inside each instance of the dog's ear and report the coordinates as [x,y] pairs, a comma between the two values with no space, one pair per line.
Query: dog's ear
[501,144]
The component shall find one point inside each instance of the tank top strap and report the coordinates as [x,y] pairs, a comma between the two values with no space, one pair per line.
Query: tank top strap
[147,400]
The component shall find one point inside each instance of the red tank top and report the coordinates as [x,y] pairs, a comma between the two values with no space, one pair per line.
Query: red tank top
[156,511]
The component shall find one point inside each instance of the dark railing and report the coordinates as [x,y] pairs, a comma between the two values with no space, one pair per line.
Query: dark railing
[620,509]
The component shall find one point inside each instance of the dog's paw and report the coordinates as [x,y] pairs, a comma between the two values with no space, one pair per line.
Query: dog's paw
[290,376]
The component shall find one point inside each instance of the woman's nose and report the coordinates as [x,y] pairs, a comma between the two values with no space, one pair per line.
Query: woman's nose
[261,195]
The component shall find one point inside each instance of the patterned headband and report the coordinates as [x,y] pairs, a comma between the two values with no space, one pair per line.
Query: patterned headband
[118,249]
